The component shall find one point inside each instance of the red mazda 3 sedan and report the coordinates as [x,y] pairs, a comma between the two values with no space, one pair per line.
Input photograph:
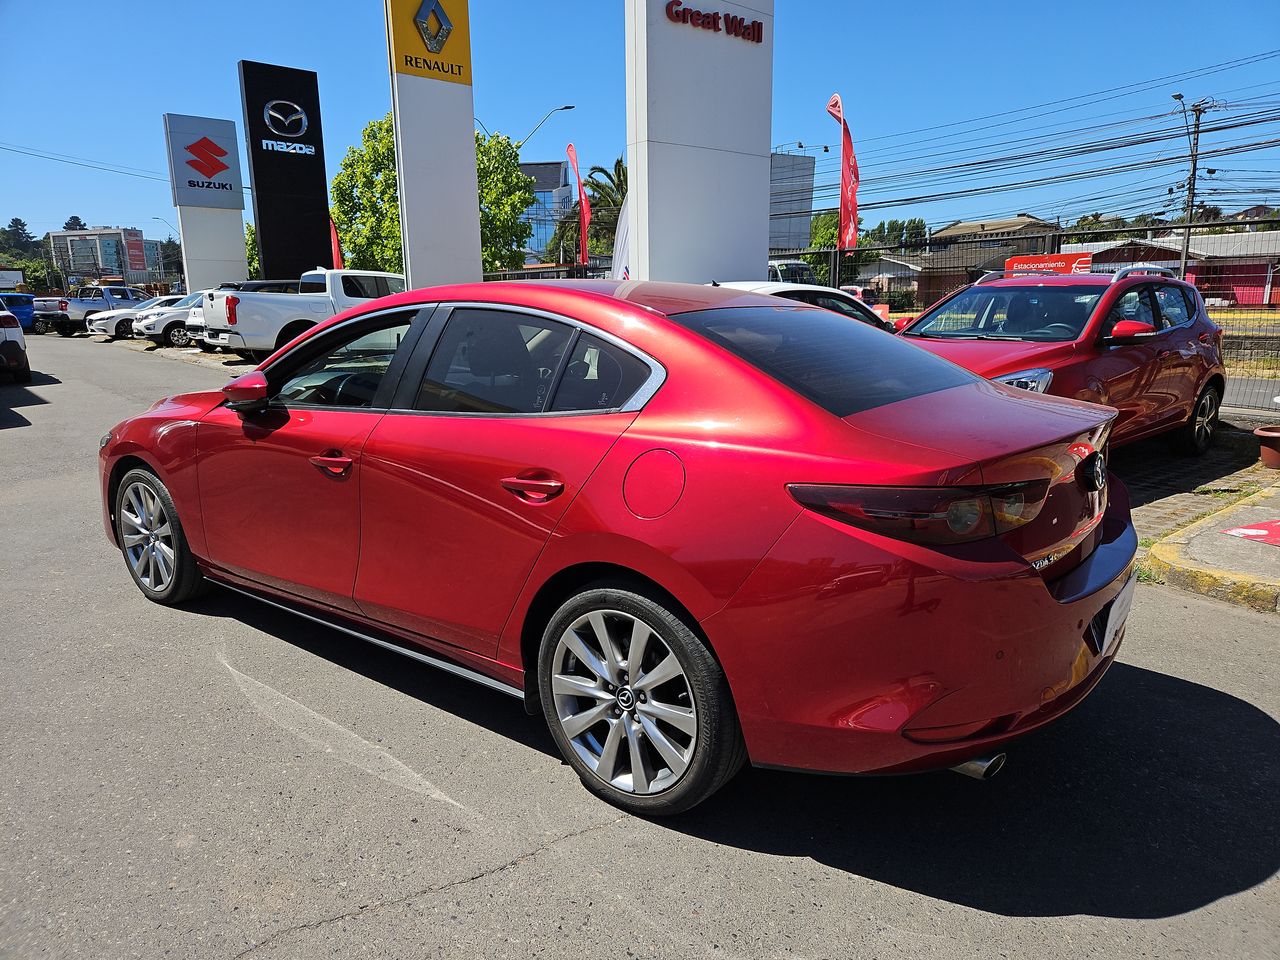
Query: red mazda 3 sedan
[691,526]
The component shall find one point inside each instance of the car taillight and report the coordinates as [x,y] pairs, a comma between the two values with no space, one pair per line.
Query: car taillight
[932,515]
[232,303]
[62,305]
[9,320]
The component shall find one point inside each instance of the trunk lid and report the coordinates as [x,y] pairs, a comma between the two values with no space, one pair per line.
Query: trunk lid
[1041,448]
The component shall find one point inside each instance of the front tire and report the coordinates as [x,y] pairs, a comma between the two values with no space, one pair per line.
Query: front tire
[65,330]
[206,346]
[176,335]
[636,702]
[1195,436]
[124,330]
[152,541]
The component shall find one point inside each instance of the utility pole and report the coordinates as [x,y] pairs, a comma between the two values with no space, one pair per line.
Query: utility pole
[1198,110]
[1193,134]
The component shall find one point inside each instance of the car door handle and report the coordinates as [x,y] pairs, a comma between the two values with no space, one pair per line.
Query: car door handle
[332,464]
[533,490]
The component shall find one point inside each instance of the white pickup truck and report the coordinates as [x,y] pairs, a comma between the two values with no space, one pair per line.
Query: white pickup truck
[68,314]
[257,324]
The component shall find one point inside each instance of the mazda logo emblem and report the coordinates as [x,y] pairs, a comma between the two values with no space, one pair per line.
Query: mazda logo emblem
[285,118]
[1093,471]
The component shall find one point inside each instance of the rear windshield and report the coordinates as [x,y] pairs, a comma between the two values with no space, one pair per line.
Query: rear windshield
[841,365]
[1033,312]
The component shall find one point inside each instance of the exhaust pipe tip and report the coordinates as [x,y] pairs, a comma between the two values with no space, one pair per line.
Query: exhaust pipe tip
[981,768]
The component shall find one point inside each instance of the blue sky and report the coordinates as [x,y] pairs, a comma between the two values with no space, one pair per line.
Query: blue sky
[900,68]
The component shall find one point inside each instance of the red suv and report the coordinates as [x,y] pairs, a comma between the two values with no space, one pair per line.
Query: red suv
[1139,341]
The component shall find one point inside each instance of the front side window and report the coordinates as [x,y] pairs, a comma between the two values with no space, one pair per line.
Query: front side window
[841,366]
[1046,314]
[1173,305]
[1134,305]
[599,376]
[348,371]
[492,361]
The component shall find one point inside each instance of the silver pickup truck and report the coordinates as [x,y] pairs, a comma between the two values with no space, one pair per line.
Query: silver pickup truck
[67,315]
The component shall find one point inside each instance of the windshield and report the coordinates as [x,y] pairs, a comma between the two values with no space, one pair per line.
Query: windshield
[1031,312]
[841,366]
[190,300]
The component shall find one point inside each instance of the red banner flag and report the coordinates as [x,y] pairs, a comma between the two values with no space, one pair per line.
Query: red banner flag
[334,245]
[848,178]
[584,206]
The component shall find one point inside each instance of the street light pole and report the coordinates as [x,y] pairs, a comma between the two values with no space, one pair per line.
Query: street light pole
[522,142]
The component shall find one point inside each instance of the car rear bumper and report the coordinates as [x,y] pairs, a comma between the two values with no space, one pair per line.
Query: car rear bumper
[883,657]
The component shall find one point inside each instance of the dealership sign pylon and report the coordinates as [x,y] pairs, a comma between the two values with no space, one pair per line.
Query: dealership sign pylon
[204,170]
[429,42]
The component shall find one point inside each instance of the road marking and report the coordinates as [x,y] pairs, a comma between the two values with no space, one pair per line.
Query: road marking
[333,739]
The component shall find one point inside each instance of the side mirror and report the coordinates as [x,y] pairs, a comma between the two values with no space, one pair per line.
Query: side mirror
[247,393]
[902,323]
[1129,331]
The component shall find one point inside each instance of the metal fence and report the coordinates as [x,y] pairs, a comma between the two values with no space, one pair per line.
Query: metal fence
[1238,274]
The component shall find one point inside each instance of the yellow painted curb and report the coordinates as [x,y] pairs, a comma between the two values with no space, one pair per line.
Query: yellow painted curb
[1167,561]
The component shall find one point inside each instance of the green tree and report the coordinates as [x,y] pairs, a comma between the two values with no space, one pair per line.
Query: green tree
[74,223]
[366,203]
[251,252]
[170,257]
[505,194]
[18,238]
[366,207]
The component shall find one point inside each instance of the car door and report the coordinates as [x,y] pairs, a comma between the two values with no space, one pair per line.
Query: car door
[279,489]
[468,474]
[1178,351]
[1127,373]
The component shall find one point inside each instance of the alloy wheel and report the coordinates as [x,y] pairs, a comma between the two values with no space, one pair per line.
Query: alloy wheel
[1206,418]
[147,537]
[179,337]
[623,702]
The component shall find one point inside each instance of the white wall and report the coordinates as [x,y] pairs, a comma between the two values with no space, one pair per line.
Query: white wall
[212,246]
[699,108]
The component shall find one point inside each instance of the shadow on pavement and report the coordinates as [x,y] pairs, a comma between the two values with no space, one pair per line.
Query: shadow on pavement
[463,698]
[14,395]
[1156,797]
[1151,471]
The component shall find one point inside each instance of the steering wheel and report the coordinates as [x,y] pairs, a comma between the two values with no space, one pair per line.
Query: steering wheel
[1064,327]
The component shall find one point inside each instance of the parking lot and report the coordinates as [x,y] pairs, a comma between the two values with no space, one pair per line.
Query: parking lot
[224,780]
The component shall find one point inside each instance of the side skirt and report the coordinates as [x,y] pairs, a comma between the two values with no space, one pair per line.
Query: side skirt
[440,664]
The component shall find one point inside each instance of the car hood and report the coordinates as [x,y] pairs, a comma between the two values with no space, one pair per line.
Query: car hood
[991,358]
[117,312]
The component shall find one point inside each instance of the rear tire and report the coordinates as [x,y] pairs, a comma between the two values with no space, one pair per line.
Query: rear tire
[152,540]
[1195,436]
[39,326]
[636,702]
[206,347]
[24,374]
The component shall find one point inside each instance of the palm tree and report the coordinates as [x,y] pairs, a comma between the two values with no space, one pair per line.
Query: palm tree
[606,190]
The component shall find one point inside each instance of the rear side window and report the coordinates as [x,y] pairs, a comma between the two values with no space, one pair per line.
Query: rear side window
[491,361]
[312,283]
[599,377]
[1173,305]
[362,288]
[841,366]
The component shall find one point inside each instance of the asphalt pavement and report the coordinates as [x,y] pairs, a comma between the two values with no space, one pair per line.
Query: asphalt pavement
[226,781]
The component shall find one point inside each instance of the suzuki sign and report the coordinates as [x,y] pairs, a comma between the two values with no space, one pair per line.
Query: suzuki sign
[204,164]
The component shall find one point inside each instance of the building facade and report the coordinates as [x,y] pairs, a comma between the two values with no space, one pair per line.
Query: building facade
[107,252]
[553,198]
[790,200]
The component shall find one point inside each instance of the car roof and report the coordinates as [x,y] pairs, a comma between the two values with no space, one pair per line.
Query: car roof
[664,297]
[1075,279]
[775,286]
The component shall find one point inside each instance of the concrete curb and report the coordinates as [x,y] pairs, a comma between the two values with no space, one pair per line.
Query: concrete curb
[1167,561]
